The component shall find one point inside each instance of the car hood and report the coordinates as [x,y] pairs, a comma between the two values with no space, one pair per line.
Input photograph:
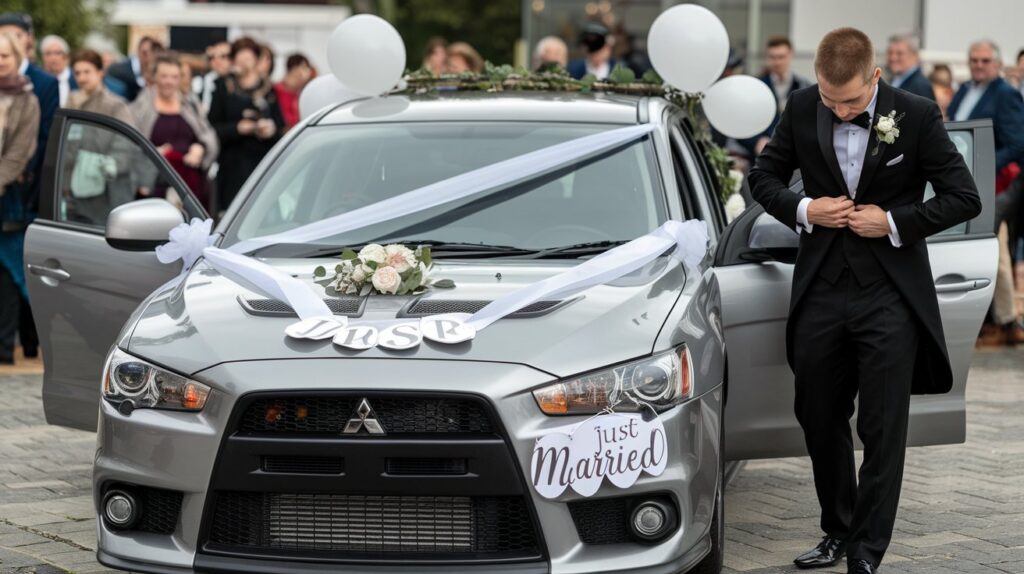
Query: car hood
[203,320]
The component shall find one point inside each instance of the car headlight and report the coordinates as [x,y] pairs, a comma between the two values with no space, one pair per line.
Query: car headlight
[661,381]
[127,378]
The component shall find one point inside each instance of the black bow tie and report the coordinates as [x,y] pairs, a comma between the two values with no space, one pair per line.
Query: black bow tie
[863,120]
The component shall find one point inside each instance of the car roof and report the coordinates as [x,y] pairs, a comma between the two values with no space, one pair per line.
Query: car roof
[455,106]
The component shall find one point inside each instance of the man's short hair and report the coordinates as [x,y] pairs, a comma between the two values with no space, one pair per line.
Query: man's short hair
[998,55]
[844,54]
[245,43]
[19,19]
[776,41]
[86,55]
[154,44]
[906,38]
[296,60]
[52,39]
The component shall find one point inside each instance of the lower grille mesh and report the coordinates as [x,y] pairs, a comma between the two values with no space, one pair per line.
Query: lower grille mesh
[412,525]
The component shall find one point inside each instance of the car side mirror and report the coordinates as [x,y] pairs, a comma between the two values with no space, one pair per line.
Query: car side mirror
[770,240]
[142,225]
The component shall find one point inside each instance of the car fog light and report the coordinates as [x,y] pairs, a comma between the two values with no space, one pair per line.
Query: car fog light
[652,520]
[120,509]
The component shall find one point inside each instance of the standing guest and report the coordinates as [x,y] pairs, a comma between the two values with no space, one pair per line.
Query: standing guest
[21,204]
[218,60]
[942,85]
[19,123]
[779,76]
[551,52]
[247,118]
[132,72]
[435,55]
[989,96]
[56,54]
[597,50]
[116,87]
[174,122]
[864,317]
[462,58]
[92,95]
[299,73]
[904,64]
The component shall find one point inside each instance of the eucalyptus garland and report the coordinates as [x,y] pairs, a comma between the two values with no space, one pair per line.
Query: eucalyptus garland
[621,80]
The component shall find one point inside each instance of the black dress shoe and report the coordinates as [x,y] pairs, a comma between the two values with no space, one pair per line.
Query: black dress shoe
[861,567]
[826,553]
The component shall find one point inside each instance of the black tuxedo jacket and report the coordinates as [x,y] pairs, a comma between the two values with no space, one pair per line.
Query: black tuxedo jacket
[803,140]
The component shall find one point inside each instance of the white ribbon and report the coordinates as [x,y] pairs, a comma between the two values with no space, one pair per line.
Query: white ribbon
[189,241]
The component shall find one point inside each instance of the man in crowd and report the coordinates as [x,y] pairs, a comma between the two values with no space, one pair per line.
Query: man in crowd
[56,57]
[597,47]
[989,96]
[551,52]
[45,88]
[904,66]
[218,59]
[132,71]
[299,73]
[780,78]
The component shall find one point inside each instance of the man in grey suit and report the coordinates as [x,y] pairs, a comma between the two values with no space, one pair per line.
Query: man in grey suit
[904,66]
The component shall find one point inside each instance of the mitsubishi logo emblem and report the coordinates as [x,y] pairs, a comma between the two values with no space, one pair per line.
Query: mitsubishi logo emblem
[364,417]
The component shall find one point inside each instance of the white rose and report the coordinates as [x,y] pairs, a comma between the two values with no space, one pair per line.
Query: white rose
[359,274]
[387,280]
[400,257]
[885,123]
[372,252]
[734,206]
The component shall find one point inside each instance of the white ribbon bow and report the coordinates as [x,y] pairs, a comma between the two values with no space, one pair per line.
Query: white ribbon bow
[187,242]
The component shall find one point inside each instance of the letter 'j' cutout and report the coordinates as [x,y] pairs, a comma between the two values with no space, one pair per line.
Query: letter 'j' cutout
[316,328]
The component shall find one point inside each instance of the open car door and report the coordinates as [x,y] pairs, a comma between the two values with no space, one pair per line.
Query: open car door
[81,289]
[754,267]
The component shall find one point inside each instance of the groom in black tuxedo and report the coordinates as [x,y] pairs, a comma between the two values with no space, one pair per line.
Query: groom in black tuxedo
[864,318]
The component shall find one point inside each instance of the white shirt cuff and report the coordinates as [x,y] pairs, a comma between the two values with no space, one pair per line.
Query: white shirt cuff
[894,234]
[801,216]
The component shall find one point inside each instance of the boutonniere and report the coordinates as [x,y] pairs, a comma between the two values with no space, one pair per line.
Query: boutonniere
[887,129]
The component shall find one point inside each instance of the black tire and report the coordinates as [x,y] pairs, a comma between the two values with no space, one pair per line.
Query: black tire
[712,563]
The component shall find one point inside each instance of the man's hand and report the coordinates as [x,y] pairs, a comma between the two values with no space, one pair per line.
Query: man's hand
[869,221]
[830,211]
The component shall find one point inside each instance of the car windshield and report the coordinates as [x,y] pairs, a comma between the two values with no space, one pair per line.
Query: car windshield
[329,170]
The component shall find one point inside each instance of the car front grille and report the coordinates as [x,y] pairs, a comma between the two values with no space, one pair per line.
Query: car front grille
[398,415]
[353,524]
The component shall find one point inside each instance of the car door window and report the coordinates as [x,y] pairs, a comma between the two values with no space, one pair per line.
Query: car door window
[964,142]
[100,169]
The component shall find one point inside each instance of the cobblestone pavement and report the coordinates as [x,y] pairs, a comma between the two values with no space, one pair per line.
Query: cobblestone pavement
[962,509]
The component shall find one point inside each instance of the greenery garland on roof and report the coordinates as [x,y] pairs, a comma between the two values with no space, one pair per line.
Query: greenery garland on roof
[621,80]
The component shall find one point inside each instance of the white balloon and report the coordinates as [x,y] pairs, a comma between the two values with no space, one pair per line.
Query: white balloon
[688,47]
[740,106]
[323,91]
[366,54]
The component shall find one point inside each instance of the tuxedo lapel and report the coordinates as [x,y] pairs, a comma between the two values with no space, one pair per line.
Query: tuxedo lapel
[883,105]
[827,149]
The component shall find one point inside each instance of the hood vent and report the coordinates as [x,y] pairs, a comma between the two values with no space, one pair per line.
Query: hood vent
[350,306]
[424,307]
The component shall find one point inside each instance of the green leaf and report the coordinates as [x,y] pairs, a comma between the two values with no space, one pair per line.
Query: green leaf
[348,255]
[443,284]
[426,257]
[622,75]
[319,271]
[588,80]
[652,77]
[371,265]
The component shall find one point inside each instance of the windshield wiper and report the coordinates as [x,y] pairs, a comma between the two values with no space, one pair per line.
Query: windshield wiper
[579,249]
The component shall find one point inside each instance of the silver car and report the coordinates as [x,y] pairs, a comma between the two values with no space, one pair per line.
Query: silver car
[224,446]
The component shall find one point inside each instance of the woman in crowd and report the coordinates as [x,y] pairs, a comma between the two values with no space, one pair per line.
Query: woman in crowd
[435,55]
[248,120]
[463,58]
[174,123]
[92,95]
[19,124]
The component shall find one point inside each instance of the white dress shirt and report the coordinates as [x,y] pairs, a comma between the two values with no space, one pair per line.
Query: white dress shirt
[64,85]
[850,143]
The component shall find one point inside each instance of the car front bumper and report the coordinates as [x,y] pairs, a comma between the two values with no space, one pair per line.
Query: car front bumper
[189,453]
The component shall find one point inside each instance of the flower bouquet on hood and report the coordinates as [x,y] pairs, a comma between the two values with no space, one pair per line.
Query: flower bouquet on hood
[388,270]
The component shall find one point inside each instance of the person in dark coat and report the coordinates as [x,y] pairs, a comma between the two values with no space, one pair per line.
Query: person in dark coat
[780,77]
[246,116]
[131,72]
[904,66]
[863,315]
[597,47]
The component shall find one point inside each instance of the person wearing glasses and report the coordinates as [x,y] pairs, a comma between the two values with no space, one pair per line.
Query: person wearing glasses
[988,95]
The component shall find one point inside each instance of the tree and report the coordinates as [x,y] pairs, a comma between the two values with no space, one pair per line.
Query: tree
[69,19]
[491,27]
